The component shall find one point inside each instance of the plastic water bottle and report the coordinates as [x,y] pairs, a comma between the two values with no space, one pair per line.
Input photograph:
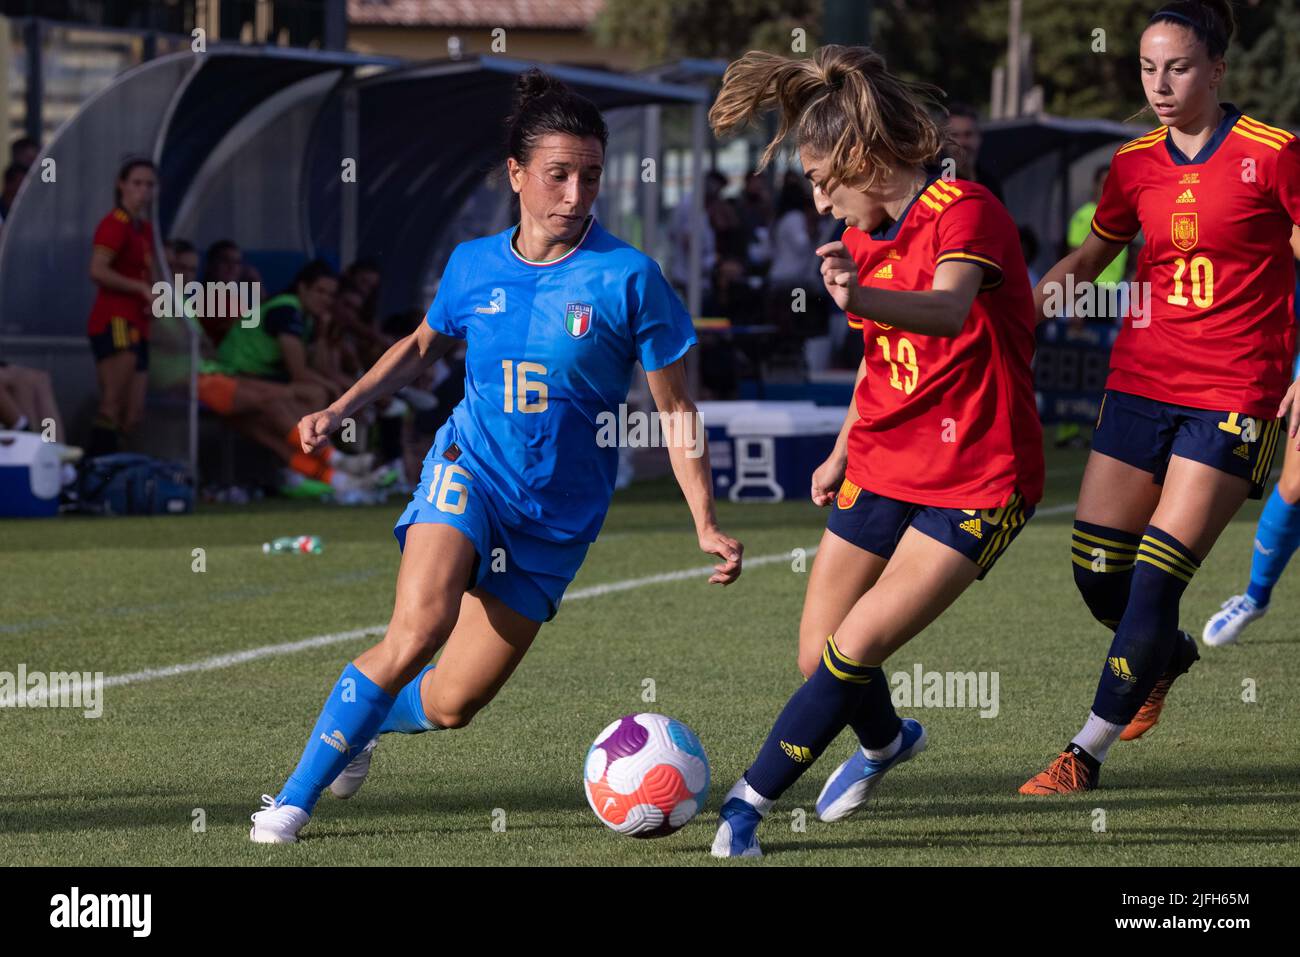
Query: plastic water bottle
[294,545]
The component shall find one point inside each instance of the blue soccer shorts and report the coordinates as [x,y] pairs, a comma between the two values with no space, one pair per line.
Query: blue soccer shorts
[528,573]
[877,523]
[1146,433]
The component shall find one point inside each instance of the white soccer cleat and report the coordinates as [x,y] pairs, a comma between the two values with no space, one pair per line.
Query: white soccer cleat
[1226,625]
[353,776]
[277,823]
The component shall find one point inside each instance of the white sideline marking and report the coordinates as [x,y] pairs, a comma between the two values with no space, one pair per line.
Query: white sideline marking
[218,662]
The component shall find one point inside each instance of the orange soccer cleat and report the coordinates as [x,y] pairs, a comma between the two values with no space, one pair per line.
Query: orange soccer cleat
[1073,770]
[1146,719]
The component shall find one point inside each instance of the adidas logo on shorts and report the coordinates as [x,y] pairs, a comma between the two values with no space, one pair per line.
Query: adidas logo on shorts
[974,526]
[1242,451]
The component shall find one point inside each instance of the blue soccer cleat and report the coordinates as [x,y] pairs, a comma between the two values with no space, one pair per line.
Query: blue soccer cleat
[736,832]
[1226,625]
[849,786]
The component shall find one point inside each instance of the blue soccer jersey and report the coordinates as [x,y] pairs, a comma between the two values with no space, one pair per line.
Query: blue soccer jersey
[551,346]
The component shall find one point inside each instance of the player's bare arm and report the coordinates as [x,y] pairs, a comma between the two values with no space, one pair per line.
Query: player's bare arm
[689,454]
[403,363]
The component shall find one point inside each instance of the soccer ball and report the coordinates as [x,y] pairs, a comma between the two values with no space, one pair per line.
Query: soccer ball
[646,775]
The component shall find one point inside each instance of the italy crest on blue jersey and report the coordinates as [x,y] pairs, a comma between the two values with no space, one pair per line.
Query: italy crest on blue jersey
[551,346]
[577,319]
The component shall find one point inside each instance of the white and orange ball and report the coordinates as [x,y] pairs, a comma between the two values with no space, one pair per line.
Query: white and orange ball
[646,775]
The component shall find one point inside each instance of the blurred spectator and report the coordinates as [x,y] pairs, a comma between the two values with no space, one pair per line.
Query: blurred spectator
[1081,227]
[24,151]
[755,214]
[364,274]
[724,219]
[679,238]
[963,129]
[13,178]
[276,347]
[182,260]
[27,401]
[352,326]
[223,263]
[121,265]
[795,266]
[1029,247]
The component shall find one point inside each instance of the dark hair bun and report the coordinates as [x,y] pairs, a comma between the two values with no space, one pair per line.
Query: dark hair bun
[1223,9]
[544,104]
[533,84]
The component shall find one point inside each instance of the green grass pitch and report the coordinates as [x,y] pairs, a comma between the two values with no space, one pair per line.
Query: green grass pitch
[1216,782]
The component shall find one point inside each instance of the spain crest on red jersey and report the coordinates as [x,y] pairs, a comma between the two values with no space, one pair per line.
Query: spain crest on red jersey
[1184,231]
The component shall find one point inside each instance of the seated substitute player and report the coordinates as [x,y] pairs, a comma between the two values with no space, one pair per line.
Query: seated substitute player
[275,348]
[556,313]
[1189,425]
[939,463]
[1276,538]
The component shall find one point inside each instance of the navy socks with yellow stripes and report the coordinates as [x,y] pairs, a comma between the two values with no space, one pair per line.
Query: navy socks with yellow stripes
[810,721]
[1146,643]
[1103,569]
[876,723]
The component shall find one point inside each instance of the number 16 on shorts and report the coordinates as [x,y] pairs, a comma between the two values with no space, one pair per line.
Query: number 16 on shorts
[451,496]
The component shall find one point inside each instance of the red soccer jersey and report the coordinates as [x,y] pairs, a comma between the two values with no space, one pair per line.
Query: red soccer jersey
[1220,334]
[132,249]
[948,422]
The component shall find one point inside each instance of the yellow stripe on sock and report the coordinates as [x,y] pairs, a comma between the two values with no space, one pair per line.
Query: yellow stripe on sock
[1162,550]
[1118,546]
[1176,572]
[839,672]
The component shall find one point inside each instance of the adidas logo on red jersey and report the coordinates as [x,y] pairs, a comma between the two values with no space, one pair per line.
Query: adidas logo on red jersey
[1187,197]
[885,272]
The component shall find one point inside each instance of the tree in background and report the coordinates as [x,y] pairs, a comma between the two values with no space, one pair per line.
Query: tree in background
[955,46]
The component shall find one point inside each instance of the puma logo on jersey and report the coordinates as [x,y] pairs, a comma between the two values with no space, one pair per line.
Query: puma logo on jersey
[974,526]
[1119,668]
[797,752]
[1186,197]
[490,309]
[1242,451]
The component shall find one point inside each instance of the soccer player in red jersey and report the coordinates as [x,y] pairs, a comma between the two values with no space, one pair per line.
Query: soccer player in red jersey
[1190,420]
[939,463]
[122,267]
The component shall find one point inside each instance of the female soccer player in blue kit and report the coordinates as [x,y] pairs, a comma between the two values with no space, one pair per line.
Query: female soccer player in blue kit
[556,313]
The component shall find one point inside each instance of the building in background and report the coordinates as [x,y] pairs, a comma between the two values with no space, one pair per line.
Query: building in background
[56,54]
[552,31]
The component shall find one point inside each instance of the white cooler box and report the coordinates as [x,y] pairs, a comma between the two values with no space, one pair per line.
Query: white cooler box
[767,452]
[29,476]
